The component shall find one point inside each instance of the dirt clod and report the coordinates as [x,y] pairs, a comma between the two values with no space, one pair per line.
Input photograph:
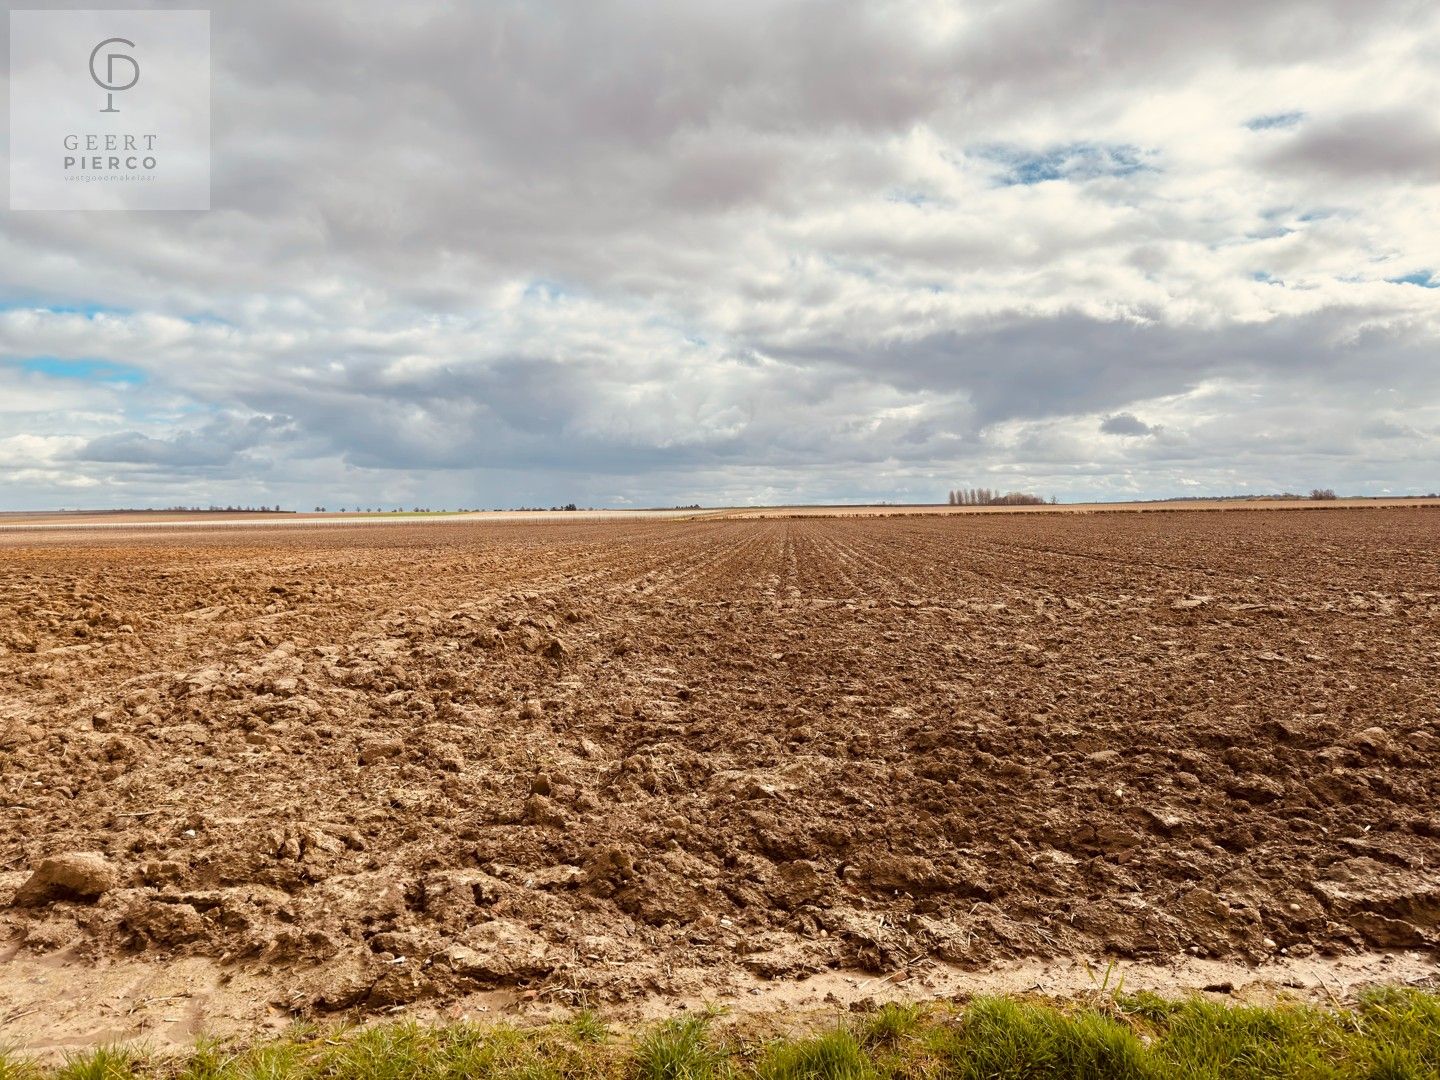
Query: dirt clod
[83,876]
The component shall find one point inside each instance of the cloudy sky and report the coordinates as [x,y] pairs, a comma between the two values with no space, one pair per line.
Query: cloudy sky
[506,253]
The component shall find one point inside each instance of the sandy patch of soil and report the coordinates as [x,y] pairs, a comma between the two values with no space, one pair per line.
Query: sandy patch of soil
[54,1004]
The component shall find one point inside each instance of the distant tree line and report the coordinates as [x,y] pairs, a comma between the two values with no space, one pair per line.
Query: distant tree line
[987,497]
[428,510]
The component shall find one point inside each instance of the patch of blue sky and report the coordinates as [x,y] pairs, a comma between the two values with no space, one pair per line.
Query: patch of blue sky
[1426,279]
[910,198]
[861,270]
[89,310]
[547,290]
[1071,162]
[94,310]
[1271,121]
[86,370]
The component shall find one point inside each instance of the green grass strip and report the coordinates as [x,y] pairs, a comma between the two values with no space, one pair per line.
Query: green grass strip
[1387,1035]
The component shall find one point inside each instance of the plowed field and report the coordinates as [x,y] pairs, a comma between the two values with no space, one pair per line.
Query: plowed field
[639,757]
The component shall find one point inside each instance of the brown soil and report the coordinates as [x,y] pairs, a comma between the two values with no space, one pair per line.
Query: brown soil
[375,767]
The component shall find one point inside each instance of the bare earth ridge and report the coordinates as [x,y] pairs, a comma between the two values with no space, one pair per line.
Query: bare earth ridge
[370,767]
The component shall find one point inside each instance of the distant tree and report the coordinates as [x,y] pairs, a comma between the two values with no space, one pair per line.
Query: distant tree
[989,497]
[1016,498]
[1322,493]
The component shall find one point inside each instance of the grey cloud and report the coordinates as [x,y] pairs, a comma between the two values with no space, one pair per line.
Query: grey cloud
[213,444]
[1382,428]
[1395,144]
[1125,424]
[1071,363]
[943,392]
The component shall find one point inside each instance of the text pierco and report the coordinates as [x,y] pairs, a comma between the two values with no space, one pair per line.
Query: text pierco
[110,153]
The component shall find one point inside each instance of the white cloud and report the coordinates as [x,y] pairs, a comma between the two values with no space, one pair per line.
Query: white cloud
[531,252]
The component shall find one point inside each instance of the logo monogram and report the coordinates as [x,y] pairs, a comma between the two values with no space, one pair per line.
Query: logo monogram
[110,83]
